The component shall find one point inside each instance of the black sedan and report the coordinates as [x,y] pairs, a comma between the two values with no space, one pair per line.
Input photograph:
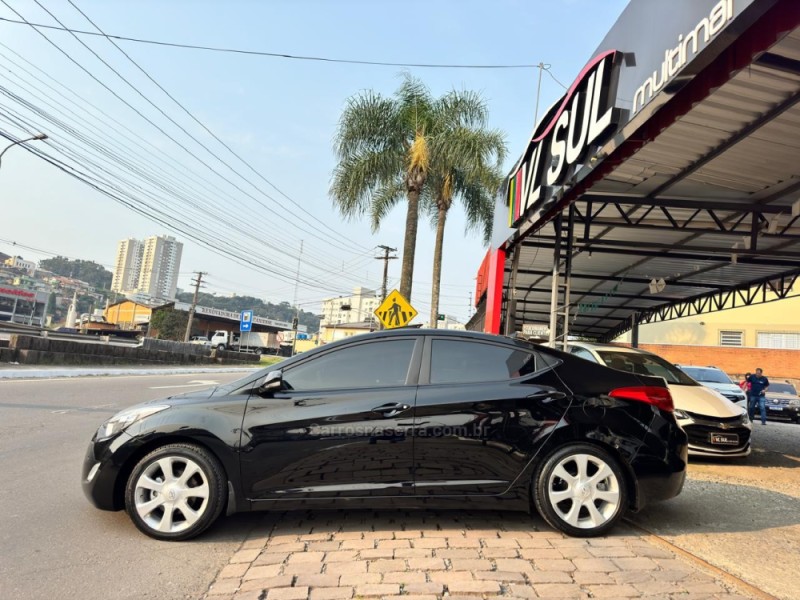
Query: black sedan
[403,418]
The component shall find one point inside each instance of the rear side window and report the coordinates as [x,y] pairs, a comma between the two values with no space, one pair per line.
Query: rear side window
[461,361]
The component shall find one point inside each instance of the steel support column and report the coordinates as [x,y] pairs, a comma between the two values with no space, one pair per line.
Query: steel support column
[510,325]
[635,330]
[554,282]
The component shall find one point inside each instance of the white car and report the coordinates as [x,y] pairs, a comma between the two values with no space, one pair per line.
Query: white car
[718,380]
[716,426]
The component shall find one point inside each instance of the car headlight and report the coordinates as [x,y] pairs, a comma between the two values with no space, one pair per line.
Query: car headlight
[745,418]
[795,402]
[122,420]
[680,414]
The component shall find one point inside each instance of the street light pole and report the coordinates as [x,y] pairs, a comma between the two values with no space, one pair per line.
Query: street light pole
[38,136]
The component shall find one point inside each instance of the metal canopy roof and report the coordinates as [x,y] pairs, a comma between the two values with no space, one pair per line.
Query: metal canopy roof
[710,204]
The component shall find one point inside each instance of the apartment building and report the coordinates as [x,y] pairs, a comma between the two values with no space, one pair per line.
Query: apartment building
[148,267]
[161,262]
[127,266]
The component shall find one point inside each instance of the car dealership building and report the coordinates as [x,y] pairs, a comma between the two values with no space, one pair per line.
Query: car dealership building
[665,183]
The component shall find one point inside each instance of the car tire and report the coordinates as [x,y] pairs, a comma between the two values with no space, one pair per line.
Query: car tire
[165,504]
[221,347]
[572,480]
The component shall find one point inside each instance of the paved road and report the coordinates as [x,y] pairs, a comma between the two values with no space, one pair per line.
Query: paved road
[53,543]
[742,516]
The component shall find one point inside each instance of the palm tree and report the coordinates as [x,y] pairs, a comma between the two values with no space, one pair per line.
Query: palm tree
[465,163]
[382,147]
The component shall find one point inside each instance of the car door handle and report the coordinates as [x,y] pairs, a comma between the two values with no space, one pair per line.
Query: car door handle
[391,410]
[547,395]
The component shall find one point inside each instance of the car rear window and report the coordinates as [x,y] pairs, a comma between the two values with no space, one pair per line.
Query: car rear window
[645,364]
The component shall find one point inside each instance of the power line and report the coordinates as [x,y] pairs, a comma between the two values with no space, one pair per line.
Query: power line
[158,127]
[201,124]
[274,54]
[127,152]
[119,196]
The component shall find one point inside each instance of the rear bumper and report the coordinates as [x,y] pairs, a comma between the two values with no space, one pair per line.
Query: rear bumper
[661,463]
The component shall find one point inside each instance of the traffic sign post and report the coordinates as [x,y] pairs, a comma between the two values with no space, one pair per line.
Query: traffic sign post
[246,321]
[395,311]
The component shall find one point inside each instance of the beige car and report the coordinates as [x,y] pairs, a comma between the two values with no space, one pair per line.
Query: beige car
[716,426]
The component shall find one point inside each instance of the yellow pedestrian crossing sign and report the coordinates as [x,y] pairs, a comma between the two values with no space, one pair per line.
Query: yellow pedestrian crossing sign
[395,311]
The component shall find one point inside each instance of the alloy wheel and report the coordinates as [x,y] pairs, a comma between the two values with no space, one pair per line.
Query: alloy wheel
[171,494]
[584,491]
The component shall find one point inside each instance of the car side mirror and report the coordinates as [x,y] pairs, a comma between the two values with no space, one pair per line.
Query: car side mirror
[273,382]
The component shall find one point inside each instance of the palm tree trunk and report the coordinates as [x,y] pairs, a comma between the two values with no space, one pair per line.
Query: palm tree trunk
[437,266]
[409,244]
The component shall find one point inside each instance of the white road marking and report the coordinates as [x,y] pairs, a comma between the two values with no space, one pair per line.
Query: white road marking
[193,383]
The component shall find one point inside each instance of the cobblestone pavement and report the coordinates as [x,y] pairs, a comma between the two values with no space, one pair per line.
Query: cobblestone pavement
[426,555]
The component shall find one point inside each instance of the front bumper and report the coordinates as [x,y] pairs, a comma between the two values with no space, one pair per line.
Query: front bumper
[705,434]
[782,412]
[101,470]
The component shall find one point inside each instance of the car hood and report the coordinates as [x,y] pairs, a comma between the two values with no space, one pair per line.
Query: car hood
[701,400]
[781,396]
[186,397]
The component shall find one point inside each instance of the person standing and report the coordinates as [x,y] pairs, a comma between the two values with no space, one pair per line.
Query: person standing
[757,395]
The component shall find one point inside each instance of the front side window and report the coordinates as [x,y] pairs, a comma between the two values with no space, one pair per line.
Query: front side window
[374,364]
[460,361]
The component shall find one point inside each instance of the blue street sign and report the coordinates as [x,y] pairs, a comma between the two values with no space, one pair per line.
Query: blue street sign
[246,321]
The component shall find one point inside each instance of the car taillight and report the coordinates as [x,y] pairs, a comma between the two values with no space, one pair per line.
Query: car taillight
[657,396]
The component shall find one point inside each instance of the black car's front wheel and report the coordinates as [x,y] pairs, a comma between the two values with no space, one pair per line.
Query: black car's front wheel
[580,490]
[175,492]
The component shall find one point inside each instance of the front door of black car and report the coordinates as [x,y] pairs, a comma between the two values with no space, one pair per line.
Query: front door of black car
[340,428]
[483,409]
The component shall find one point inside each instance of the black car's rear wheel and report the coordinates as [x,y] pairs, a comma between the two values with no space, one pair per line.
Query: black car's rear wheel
[175,492]
[580,490]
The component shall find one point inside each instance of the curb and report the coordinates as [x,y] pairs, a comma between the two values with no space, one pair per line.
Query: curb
[95,372]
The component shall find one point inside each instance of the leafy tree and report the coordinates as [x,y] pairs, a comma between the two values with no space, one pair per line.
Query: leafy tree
[85,270]
[169,323]
[466,163]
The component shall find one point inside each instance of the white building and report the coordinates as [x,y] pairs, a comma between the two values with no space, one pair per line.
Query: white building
[448,323]
[357,308]
[161,262]
[17,262]
[127,266]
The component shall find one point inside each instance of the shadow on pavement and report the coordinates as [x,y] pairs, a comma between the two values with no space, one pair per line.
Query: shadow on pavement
[713,507]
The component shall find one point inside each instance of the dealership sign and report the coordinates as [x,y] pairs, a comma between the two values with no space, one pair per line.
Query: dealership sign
[17,293]
[585,117]
[689,44]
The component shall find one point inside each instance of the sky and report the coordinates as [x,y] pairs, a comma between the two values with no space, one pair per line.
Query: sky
[278,115]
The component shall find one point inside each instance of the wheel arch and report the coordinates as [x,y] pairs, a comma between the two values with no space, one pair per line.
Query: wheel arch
[568,436]
[153,444]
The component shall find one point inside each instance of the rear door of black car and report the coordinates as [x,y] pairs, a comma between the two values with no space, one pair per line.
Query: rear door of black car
[341,428]
[483,408]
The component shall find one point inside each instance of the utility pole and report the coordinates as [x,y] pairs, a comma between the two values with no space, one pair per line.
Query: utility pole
[192,308]
[385,258]
[296,320]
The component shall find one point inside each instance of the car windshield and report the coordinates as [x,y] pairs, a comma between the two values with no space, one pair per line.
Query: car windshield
[706,375]
[782,388]
[645,364]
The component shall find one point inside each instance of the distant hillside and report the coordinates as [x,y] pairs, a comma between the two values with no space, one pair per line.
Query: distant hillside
[85,270]
[279,312]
